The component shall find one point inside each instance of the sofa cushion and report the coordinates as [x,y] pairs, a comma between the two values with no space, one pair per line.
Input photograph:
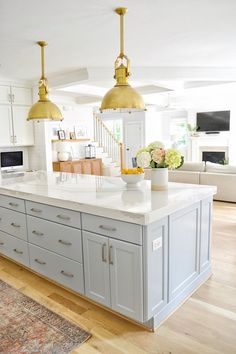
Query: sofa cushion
[193,166]
[192,177]
[217,168]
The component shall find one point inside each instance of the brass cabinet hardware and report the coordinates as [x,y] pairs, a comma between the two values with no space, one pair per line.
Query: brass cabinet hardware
[70,275]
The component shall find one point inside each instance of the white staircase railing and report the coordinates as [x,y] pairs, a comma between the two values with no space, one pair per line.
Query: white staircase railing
[108,141]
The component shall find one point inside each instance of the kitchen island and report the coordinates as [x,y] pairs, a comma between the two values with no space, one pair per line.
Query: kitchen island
[138,253]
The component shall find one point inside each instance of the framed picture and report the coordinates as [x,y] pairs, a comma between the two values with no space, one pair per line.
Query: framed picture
[61,134]
[72,136]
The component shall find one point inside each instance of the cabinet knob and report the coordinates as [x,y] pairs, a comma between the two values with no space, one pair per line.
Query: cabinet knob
[1,243]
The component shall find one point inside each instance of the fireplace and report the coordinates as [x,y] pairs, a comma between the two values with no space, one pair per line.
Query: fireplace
[214,156]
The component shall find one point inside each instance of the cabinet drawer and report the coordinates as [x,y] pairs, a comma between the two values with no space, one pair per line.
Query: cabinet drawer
[55,237]
[12,203]
[117,229]
[59,215]
[63,270]
[14,248]
[13,223]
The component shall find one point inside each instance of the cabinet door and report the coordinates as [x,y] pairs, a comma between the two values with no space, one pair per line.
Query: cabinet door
[96,167]
[6,131]
[23,130]
[205,239]
[96,268]
[5,94]
[126,278]
[86,167]
[65,167]
[183,248]
[77,167]
[21,96]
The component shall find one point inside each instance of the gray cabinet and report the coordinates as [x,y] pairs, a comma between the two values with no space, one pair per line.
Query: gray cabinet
[205,234]
[113,274]
[126,278]
[96,268]
[184,227]
[155,264]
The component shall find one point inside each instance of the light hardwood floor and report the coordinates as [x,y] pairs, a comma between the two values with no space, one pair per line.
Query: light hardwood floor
[205,324]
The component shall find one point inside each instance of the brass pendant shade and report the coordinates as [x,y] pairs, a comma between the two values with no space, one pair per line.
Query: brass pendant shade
[44,109]
[122,95]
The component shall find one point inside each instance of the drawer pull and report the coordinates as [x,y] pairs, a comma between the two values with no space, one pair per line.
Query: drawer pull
[1,243]
[107,228]
[15,225]
[110,255]
[17,251]
[39,262]
[35,210]
[15,205]
[37,233]
[104,252]
[70,275]
[63,217]
[66,243]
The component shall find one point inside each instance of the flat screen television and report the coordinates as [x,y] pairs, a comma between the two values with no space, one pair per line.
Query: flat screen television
[11,159]
[213,121]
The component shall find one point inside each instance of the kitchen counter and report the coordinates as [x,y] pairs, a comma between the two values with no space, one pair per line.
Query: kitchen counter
[137,252]
[104,196]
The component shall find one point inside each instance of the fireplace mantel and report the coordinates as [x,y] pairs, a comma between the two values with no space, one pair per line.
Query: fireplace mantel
[197,144]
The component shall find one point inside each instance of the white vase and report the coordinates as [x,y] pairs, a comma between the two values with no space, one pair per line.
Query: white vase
[159,179]
[63,155]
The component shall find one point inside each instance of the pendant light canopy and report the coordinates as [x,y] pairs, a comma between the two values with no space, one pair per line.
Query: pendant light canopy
[122,95]
[44,109]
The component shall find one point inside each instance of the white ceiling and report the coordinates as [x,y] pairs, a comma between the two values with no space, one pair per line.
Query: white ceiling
[85,34]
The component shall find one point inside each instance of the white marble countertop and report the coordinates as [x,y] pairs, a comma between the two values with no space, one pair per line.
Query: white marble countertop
[105,196]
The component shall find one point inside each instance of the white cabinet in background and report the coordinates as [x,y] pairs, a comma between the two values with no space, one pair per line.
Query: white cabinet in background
[5,94]
[15,103]
[6,131]
[23,130]
[21,96]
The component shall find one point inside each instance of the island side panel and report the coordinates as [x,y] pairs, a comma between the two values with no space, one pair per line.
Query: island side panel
[155,267]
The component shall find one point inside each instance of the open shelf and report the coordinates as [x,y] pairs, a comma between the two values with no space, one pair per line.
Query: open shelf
[69,140]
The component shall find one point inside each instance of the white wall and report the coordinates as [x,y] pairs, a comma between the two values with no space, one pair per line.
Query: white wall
[44,152]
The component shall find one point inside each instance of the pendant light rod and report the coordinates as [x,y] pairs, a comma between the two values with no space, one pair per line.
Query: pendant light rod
[42,44]
[121,11]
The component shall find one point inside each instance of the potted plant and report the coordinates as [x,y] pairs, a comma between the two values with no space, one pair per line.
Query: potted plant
[157,158]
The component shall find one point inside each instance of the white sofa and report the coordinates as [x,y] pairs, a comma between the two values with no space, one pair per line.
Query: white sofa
[222,176]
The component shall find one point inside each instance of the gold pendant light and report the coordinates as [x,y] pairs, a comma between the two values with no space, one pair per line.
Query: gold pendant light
[44,109]
[122,95]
